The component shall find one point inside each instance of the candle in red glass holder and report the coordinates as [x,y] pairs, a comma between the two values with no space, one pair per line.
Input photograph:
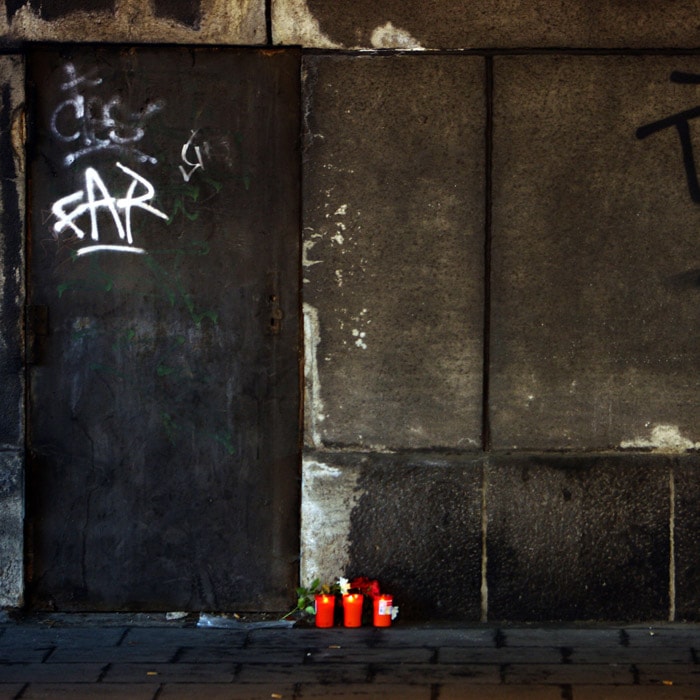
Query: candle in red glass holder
[352,609]
[325,609]
[382,610]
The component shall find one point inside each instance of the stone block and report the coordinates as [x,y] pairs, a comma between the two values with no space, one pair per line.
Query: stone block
[184,637]
[52,673]
[577,538]
[226,691]
[367,690]
[403,637]
[393,250]
[568,674]
[414,524]
[12,199]
[656,674]
[500,655]
[90,691]
[307,673]
[464,691]
[594,280]
[156,673]
[686,475]
[11,530]
[174,21]
[473,673]
[451,24]
[569,637]
[11,341]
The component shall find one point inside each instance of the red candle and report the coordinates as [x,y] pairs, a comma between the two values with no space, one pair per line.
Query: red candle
[352,609]
[382,610]
[325,609]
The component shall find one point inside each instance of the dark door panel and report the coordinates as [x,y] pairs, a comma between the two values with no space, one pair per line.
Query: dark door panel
[163,328]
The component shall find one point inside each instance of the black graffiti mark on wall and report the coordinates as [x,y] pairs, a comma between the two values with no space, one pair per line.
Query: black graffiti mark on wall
[681,121]
[187,12]
[12,7]
[55,9]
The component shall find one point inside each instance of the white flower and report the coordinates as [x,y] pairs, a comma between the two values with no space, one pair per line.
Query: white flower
[344,585]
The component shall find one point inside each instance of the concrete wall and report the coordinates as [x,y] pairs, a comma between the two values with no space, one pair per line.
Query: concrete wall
[11,317]
[501,285]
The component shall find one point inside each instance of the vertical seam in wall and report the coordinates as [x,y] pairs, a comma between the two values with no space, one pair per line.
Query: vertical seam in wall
[301,329]
[268,22]
[672,545]
[488,152]
[484,553]
[28,530]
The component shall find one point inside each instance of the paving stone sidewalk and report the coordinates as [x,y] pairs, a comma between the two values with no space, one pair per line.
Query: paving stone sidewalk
[146,658]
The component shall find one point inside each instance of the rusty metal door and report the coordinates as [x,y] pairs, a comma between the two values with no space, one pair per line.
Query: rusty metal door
[163,328]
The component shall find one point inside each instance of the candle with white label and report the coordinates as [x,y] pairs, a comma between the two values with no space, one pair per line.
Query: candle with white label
[383,607]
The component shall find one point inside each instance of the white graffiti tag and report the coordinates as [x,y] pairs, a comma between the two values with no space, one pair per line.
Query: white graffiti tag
[96,197]
[93,124]
[186,175]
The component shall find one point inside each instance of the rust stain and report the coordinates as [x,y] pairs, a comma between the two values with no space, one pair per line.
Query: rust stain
[18,136]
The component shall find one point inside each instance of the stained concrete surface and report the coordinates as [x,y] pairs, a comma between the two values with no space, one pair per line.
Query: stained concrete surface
[393,241]
[452,24]
[686,535]
[416,526]
[117,656]
[578,537]
[411,521]
[594,276]
[11,345]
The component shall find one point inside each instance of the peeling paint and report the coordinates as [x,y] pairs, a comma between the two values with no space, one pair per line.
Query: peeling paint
[313,405]
[360,338]
[328,495]
[663,438]
[293,23]
[306,247]
[390,37]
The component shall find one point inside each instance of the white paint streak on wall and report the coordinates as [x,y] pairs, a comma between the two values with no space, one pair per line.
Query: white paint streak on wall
[391,37]
[663,438]
[293,23]
[328,495]
[360,338]
[313,405]
[306,247]
[359,335]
